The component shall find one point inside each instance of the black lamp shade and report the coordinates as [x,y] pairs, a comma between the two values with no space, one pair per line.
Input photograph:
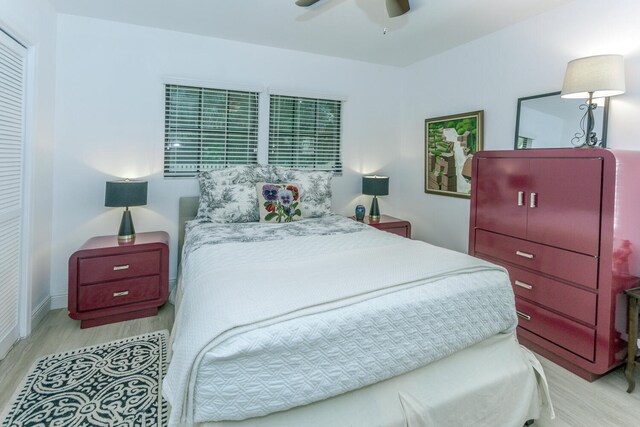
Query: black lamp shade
[125,193]
[375,185]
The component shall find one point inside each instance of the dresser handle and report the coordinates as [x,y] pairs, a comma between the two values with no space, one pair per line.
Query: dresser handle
[533,200]
[120,267]
[524,254]
[523,285]
[524,316]
[520,198]
[120,294]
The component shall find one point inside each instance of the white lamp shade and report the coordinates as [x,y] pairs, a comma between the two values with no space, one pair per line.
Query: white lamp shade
[603,75]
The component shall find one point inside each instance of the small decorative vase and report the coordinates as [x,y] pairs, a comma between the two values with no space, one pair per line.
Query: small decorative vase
[360,211]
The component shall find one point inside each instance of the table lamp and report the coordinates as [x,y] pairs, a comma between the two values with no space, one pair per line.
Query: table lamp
[375,186]
[126,193]
[588,78]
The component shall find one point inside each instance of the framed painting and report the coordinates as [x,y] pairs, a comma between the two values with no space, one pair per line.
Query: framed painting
[450,143]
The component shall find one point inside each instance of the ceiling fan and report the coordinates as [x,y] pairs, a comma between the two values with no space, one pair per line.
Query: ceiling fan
[394,7]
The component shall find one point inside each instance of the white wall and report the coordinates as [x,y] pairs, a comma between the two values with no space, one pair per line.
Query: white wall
[33,23]
[109,120]
[490,74]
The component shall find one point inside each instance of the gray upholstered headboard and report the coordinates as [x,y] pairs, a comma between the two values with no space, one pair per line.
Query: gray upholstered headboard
[187,210]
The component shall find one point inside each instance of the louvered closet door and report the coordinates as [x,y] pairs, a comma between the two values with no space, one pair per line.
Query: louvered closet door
[12,84]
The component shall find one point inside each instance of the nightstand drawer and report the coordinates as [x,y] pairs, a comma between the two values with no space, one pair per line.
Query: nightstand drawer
[114,267]
[390,224]
[400,231]
[561,331]
[117,293]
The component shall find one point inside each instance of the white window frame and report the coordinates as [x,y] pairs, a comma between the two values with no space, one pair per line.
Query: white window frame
[264,95]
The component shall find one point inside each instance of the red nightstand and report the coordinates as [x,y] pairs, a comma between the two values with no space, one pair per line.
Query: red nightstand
[111,281]
[391,224]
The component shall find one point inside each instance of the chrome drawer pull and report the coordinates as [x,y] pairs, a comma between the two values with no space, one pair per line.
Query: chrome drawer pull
[533,200]
[524,316]
[523,285]
[120,267]
[520,198]
[120,294]
[524,254]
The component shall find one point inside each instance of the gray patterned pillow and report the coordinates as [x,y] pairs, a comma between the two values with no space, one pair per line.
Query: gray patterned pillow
[229,195]
[315,188]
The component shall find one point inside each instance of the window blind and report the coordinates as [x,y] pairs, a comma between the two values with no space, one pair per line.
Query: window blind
[12,100]
[208,129]
[524,142]
[305,133]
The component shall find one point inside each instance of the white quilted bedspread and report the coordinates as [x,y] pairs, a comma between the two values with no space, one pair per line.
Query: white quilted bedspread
[267,326]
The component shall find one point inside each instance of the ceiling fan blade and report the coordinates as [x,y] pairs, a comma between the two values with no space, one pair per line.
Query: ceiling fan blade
[396,7]
[305,3]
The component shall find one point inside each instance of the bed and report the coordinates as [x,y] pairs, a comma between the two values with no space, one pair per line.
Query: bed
[327,321]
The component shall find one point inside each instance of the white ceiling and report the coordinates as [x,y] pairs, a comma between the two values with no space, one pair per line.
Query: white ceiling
[343,28]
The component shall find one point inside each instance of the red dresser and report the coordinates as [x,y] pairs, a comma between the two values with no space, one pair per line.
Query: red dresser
[111,281]
[561,222]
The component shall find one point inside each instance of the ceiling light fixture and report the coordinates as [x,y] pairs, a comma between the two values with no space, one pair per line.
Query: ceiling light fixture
[394,7]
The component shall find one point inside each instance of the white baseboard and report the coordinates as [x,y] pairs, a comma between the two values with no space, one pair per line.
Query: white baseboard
[39,312]
[59,301]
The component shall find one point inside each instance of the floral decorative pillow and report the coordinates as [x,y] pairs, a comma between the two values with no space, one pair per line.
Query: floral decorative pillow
[228,195]
[278,202]
[315,188]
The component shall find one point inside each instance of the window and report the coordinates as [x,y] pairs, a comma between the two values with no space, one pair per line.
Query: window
[524,142]
[305,133]
[208,129]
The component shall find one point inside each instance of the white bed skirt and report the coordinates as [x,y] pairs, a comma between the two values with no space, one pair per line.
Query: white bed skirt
[492,383]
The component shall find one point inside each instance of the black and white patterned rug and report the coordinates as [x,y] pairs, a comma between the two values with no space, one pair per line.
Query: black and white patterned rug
[112,384]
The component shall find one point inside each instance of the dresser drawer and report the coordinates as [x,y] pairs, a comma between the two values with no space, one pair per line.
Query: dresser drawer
[558,296]
[561,331]
[571,266]
[102,295]
[114,267]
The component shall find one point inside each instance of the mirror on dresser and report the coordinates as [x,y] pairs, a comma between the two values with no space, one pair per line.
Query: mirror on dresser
[548,121]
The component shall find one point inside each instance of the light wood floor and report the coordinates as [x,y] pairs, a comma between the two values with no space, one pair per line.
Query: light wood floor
[577,403]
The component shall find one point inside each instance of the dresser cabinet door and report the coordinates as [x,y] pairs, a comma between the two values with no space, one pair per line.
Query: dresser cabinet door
[564,203]
[501,195]
[552,201]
